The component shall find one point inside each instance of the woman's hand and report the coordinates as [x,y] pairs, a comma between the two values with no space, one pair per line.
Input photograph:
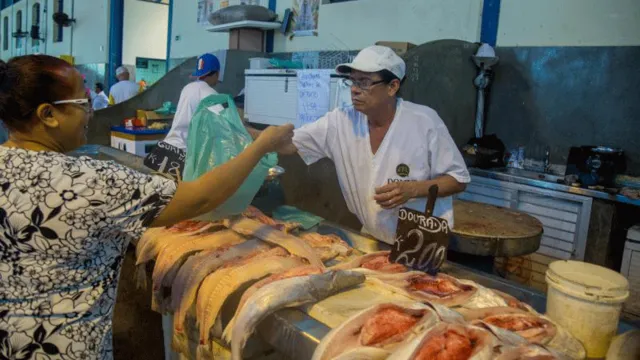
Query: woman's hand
[210,190]
[273,138]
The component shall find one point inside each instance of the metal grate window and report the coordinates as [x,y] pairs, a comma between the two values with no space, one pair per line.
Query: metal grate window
[35,23]
[58,6]
[5,33]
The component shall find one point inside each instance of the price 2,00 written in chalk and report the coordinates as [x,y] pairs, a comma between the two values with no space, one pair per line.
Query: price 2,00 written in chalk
[420,257]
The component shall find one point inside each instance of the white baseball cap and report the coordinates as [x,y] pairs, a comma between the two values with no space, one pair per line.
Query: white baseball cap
[373,59]
[121,70]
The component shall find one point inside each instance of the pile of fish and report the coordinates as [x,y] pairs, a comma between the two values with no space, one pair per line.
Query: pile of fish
[450,319]
[199,265]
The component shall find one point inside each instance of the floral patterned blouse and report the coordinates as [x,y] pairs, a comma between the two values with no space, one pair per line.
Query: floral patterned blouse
[65,224]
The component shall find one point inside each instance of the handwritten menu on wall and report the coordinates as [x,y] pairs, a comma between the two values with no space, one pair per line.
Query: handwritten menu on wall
[314,87]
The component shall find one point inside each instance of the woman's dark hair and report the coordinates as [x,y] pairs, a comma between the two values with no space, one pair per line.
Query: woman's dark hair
[26,82]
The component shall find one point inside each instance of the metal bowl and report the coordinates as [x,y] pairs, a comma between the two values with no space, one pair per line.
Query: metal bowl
[274,173]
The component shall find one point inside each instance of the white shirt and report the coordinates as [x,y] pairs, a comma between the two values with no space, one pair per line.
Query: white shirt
[417,138]
[101,101]
[123,91]
[190,98]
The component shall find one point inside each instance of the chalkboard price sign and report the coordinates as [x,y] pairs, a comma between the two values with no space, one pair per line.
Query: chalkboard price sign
[421,238]
[166,159]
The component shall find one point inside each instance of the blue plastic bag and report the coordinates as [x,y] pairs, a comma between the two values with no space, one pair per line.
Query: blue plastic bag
[216,135]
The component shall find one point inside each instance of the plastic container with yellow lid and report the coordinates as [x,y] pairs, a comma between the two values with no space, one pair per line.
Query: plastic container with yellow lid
[586,300]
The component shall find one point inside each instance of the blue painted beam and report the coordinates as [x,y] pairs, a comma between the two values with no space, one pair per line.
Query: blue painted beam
[270,34]
[116,16]
[490,20]
[169,34]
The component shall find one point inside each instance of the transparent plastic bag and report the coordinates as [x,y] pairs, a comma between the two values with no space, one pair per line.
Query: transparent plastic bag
[216,135]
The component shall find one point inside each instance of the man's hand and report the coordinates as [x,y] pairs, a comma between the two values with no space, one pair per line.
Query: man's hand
[395,194]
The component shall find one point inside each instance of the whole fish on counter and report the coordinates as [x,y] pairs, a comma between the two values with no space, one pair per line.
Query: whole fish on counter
[186,284]
[235,277]
[286,293]
[295,272]
[154,240]
[376,332]
[512,302]
[174,255]
[327,246]
[372,264]
[255,214]
[294,245]
[533,327]
[441,289]
[447,341]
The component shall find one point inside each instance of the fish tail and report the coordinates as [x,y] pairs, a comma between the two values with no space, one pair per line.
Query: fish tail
[228,331]
[204,352]
[178,342]
[141,277]
[156,302]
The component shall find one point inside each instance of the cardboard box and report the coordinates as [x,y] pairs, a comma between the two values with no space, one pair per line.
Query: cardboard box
[68,58]
[149,117]
[246,39]
[400,48]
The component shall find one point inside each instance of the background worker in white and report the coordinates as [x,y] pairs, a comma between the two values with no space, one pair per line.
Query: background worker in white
[387,151]
[206,74]
[100,101]
[124,89]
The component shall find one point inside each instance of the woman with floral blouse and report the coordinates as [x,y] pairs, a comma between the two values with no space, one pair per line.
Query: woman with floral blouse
[65,222]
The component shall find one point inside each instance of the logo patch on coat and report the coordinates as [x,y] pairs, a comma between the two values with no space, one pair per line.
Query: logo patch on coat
[403,170]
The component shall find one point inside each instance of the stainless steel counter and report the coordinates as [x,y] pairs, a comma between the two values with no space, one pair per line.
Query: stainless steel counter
[547,181]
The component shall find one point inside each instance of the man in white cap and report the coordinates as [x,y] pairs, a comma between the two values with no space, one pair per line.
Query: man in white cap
[387,152]
[124,89]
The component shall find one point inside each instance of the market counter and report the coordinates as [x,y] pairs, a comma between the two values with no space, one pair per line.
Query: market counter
[295,334]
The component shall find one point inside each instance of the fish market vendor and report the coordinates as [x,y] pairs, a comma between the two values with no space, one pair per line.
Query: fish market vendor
[387,151]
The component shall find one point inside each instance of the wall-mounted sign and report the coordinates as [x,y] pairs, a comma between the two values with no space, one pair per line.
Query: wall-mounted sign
[305,17]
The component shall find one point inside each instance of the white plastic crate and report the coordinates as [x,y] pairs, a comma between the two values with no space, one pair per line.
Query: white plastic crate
[631,269]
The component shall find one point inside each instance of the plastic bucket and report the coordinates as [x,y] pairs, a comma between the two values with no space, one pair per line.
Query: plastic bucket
[586,300]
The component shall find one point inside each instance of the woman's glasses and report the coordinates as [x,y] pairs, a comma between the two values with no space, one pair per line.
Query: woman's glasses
[85,103]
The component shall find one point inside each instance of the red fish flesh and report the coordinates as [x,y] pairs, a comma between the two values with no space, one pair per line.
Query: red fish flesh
[373,263]
[441,289]
[449,342]
[375,332]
